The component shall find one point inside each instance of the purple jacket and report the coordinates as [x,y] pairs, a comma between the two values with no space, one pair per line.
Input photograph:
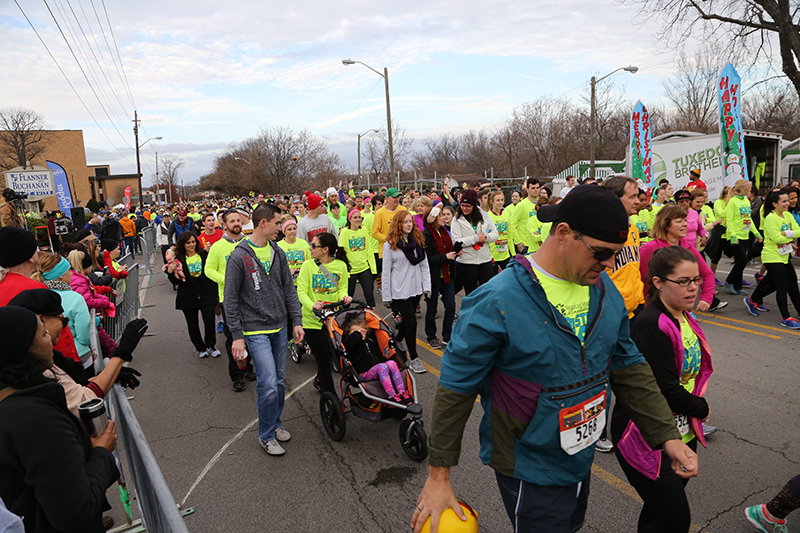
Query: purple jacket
[631,444]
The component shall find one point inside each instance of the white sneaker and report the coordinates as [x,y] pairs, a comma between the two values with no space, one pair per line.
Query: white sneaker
[416,366]
[282,434]
[214,352]
[604,445]
[203,354]
[272,447]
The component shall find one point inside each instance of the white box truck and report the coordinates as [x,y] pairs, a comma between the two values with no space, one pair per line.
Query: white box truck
[676,153]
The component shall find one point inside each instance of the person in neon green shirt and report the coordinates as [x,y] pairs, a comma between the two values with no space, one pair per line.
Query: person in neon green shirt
[355,240]
[537,229]
[502,247]
[296,249]
[739,224]
[524,210]
[216,263]
[315,288]
[780,232]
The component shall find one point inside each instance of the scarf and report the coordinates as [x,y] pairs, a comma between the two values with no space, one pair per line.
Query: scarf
[413,251]
[444,244]
[57,285]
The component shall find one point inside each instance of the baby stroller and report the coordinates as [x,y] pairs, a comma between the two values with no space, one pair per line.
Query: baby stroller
[367,399]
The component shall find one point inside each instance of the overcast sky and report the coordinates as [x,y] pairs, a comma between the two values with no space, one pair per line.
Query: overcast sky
[206,74]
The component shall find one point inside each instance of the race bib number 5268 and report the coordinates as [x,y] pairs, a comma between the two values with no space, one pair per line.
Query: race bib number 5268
[580,426]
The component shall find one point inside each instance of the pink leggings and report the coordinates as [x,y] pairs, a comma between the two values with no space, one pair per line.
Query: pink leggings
[387,373]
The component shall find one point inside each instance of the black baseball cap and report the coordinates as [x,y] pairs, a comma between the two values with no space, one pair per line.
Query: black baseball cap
[592,211]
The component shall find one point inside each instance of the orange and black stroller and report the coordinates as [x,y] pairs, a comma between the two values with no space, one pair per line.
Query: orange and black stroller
[367,399]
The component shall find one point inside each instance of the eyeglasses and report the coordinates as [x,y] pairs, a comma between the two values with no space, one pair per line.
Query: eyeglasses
[312,245]
[598,255]
[685,282]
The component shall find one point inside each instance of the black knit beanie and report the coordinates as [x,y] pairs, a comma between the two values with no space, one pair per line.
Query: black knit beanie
[40,301]
[17,329]
[16,246]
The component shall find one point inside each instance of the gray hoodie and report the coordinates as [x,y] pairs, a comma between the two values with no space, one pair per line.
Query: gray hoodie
[255,301]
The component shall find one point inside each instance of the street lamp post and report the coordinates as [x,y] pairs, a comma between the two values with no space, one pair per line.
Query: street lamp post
[593,113]
[359,155]
[138,147]
[385,77]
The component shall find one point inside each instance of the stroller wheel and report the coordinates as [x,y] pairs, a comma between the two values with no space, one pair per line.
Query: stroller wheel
[296,351]
[332,416]
[413,439]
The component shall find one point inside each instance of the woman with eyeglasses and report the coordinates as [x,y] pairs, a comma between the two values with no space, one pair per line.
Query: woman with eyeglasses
[54,475]
[669,229]
[323,279]
[672,342]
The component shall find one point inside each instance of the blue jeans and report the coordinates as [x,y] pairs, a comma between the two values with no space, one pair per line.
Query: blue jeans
[130,245]
[268,353]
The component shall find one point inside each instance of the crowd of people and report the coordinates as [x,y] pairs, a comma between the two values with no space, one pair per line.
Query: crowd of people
[608,274]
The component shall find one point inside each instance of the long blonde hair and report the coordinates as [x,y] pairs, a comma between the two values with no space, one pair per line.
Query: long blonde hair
[75,259]
[739,188]
[47,262]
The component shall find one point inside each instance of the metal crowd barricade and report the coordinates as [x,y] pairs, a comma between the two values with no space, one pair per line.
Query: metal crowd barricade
[148,242]
[158,509]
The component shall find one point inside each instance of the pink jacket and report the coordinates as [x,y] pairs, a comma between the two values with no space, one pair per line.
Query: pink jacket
[647,250]
[83,286]
[694,226]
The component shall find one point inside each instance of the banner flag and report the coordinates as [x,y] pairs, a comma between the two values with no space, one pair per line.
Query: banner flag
[641,145]
[63,194]
[126,197]
[730,126]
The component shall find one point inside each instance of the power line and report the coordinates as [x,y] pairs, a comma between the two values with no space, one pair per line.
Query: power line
[122,66]
[111,53]
[84,73]
[70,83]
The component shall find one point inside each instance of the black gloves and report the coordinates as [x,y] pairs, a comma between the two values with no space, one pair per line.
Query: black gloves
[134,331]
[127,377]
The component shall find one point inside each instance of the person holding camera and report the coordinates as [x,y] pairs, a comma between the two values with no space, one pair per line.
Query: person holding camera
[8,212]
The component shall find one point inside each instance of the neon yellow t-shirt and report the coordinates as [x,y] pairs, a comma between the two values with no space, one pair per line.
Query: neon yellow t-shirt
[296,253]
[691,363]
[194,265]
[359,251]
[570,299]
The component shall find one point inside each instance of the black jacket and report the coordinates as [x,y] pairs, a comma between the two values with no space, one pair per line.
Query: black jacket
[362,354]
[195,292]
[50,473]
[436,259]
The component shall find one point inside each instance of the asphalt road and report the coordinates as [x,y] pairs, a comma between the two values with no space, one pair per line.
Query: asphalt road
[204,438]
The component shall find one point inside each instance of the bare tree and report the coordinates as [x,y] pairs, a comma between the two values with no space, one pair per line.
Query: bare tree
[22,136]
[377,151]
[772,107]
[170,166]
[743,24]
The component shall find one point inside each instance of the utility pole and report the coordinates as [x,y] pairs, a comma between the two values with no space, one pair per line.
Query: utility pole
[138,164]
[158,194]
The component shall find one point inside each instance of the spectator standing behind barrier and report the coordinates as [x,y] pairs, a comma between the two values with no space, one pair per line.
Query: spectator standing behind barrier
[259,297]
[674,346]
[474,230]
[8,212]
[195,293]
[19,258]
[527,388]
[163,240]
[406,277]
[66,473]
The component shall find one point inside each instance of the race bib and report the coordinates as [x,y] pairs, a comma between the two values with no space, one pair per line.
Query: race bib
[786,249]
[580,425]
[682,422]
[501,245]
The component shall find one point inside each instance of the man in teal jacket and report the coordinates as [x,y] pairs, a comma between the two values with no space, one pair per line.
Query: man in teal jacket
[540,343]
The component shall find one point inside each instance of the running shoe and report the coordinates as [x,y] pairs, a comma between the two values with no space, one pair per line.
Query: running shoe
[434,343]
[746,283]
[751,307]
[791,323]
[756,516]
[203,354]
[417,367]
[272,447]
[708,430]
[761,307]
[282,434]
[758,277]
[220,327]
[730,288]
[214,351]
[604,445]
[717,282]
[719,305]
[380,289]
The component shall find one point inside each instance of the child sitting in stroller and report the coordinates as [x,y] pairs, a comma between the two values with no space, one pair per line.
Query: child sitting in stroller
[364,355]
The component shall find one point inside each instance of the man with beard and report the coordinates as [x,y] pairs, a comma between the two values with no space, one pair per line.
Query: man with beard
[216,263]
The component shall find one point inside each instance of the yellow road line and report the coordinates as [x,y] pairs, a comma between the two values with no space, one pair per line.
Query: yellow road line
[782,330]
[740,329]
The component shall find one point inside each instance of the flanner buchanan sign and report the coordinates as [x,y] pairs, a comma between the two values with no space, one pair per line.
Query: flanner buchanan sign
[37,184]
